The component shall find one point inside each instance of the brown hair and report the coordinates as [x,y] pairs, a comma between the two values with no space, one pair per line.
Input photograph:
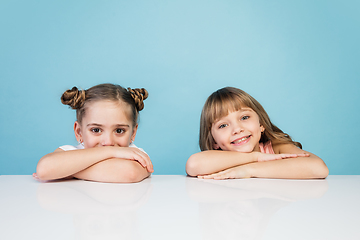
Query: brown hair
[78,99]
[231,99]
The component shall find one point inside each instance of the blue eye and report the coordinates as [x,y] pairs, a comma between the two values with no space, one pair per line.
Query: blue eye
[223,125]
[245,117]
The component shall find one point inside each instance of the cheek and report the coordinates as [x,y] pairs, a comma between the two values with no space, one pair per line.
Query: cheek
[217,136]
[89,142]
[213,134]
[90,139]
[124,141]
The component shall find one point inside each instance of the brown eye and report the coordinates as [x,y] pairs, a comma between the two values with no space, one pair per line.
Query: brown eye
[119,131]
[95,130]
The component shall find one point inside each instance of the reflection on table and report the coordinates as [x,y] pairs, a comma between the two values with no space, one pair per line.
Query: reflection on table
[231,209]
[100,211]
[180,207]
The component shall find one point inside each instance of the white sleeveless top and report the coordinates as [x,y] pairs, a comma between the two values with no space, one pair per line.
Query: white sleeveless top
[80,146]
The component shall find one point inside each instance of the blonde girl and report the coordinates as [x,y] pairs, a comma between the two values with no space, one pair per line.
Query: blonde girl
[238,140]
[105,128]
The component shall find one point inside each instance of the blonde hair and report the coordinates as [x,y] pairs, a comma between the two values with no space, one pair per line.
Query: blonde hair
[79,99]
[229,99]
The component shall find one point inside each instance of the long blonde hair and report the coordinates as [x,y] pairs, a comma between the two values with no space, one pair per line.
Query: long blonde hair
[229,99]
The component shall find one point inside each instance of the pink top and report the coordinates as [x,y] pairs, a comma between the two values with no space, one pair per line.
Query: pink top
[266,148]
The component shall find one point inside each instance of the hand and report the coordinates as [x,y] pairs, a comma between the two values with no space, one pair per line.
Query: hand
[135,154]
[262,157]
[231,173]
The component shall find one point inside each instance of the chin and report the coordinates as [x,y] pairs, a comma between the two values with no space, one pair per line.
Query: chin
[243,150]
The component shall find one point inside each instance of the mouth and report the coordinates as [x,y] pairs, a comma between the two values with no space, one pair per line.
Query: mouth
[241,140]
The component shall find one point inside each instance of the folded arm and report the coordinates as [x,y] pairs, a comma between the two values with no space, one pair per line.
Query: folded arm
[212,161]
[61,164]
[296,168]
[301,167]
[114,171]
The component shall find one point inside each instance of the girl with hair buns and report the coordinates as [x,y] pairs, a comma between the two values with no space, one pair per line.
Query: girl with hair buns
[105,128]
[252,146]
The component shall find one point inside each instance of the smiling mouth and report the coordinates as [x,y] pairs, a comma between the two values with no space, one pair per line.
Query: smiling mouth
[237,141]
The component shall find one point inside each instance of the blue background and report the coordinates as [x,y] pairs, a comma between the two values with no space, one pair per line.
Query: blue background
[299,59]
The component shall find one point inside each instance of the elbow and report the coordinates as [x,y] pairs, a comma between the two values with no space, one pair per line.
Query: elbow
[136,176]
[46,170]
[192,166]
[320,170]
[323,172]
[43,171]
[135,173]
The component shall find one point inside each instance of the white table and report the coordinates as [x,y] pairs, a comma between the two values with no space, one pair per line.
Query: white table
[180,207]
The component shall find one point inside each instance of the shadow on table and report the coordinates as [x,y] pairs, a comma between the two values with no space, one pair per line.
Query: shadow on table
[242,208]
[100,210]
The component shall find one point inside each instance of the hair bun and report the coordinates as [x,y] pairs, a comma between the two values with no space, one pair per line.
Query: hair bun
[139,95]
[73,97]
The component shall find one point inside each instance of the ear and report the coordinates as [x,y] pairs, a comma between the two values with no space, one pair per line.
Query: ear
[134,133]
[77,131]
[262,128]
[216,146]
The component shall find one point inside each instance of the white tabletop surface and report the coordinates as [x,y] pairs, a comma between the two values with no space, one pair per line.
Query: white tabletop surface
[180,207]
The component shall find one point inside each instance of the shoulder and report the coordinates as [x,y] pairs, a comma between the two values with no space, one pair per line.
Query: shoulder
[286,148]
[70,147]
[133,145]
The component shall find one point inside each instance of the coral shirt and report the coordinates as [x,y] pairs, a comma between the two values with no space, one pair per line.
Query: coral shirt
[266,148]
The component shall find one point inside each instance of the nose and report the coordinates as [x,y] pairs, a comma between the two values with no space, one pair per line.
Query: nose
[237,128]
[107,140]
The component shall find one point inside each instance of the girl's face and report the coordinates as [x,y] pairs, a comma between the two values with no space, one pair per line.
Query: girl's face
[238,131]
[105,123]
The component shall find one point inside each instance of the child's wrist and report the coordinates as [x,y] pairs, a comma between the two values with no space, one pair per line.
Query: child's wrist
[248,168]
[255,156]
[110,152]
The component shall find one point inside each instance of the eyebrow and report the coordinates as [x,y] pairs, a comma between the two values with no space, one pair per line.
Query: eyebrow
[246,110]
[100,125]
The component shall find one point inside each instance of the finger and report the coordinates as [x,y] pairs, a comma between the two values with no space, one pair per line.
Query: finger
[215,175]
[304,155]
[210,176]
[149,168]
[220,177]
[140,159]
[223,176]
[144,160]
[149,165]
[206,176]
[201,176]
[289,156]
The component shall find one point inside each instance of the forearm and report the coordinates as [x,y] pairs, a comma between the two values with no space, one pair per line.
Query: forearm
[291,168]
[61,164]
[207,162]
[114,171]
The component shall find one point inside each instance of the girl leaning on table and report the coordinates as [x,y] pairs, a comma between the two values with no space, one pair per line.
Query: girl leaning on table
[238,140]
[105,128]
